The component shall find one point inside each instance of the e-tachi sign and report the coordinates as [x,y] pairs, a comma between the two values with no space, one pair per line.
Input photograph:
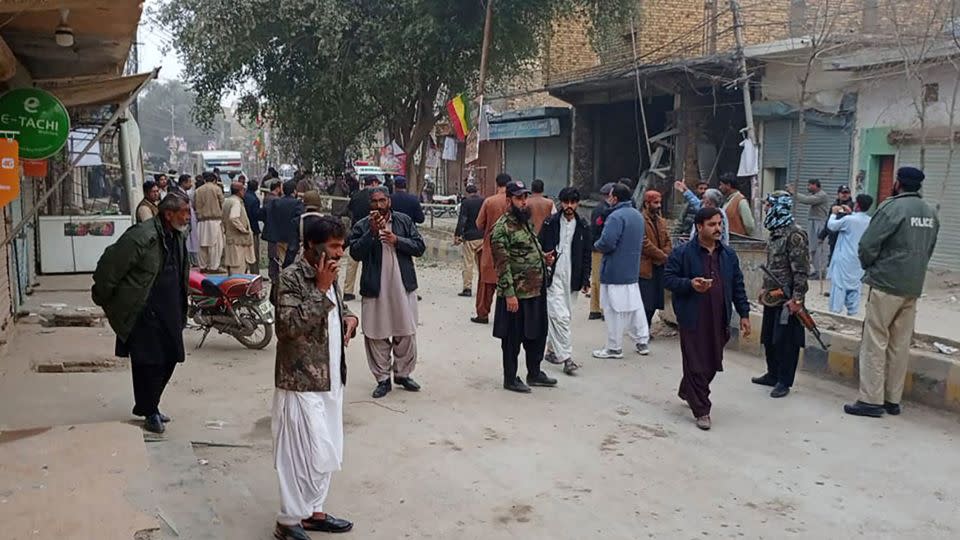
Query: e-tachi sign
[40,121]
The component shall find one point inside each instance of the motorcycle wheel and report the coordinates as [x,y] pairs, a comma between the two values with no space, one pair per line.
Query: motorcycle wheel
[260,337]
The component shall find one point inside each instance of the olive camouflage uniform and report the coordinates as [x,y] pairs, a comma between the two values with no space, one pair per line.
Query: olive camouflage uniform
[518,258]
[788,258]
[303,352]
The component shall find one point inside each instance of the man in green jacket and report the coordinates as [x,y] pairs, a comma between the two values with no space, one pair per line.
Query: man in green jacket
[141,284]
[894,251]
[520,316]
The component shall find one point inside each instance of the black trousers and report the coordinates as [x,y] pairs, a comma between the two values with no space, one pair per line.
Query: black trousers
[533,348]
[526,328]
[782,344]
[149,381]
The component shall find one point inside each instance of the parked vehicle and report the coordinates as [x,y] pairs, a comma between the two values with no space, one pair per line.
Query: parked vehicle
[236,305]
[230,164]
[444,206]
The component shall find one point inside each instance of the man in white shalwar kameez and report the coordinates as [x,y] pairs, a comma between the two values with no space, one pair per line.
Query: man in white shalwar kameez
[621,244]
[845,272]
[313,328]
[568,236]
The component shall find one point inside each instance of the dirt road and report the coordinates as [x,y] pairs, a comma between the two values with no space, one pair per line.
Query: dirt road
[611,453]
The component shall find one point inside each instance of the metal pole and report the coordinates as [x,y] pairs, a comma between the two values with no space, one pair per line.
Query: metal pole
[73,164]
[744,75]
[485,50]
[747,103]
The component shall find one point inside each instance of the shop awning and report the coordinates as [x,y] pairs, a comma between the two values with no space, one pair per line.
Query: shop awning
[99,92]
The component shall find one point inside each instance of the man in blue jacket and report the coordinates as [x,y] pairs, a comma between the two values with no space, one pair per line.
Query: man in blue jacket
[252,204]
[621,243]
[705,279]
[404,202]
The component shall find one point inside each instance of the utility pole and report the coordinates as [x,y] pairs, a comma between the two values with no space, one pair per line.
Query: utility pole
[485,50]
[744,75]
[747,103]
[712,27]
[173,144]
[473,138]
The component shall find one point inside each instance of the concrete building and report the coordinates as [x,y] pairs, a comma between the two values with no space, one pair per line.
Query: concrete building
[86,74]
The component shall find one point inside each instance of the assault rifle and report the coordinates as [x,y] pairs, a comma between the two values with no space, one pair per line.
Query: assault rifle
[803,315]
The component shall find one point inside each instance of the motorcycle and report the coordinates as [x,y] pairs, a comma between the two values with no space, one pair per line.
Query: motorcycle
[236,305]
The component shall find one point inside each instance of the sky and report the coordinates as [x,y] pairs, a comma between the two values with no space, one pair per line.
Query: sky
[155,47]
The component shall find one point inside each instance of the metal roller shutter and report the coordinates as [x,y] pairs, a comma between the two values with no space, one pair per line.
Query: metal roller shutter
[826,156]
[947,253]
[776,143]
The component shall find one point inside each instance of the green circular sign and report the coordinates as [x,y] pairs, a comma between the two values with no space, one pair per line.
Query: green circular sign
[40,120]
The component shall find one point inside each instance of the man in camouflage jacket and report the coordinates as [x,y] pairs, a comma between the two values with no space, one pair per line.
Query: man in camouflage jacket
[520,317]
[788,258]
[313,328]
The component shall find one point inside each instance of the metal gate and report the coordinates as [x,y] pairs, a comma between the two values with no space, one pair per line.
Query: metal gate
[947,253]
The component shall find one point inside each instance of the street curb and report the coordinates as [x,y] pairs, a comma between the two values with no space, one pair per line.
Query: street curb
[440,247]
[932,379]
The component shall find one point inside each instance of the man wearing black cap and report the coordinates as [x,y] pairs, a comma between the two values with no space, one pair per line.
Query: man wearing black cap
[597,218]
[842,207]
[520,317]
[894,252]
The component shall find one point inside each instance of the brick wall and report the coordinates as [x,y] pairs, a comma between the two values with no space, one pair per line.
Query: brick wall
[669,30]
[567,49]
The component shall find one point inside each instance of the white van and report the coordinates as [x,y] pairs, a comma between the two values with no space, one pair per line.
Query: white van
[230,165]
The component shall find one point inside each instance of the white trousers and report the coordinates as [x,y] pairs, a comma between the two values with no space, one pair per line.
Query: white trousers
[560,301]
[631,321]
[307,449]
[210,256]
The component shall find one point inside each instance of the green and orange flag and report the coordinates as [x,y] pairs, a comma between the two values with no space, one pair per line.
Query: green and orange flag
[458,113]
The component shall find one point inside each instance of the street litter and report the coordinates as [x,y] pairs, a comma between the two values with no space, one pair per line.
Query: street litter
[945,349]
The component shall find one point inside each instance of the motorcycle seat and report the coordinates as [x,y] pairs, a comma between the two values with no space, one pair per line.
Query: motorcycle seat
[219,284]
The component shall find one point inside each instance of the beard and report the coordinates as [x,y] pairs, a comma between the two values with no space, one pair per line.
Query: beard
[569,212]
[180,228]
[522,214]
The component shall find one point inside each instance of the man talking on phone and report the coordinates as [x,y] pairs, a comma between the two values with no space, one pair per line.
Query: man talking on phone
[313,328]
[705,279]
[386,243]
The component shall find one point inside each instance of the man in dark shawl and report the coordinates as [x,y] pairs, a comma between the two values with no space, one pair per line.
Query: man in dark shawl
[141,284]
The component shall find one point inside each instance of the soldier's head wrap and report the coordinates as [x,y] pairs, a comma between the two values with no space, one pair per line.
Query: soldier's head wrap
[780,213]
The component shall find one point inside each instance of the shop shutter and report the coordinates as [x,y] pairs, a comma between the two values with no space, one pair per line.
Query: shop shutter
[947,252]
[826,155]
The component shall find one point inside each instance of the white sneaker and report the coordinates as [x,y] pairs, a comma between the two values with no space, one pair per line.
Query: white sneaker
[643,349]
[607,353]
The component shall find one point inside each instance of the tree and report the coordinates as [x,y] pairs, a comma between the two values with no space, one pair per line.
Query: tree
[165,111]
[328,71]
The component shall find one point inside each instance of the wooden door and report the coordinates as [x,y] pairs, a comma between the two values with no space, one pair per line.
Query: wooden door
[885,184]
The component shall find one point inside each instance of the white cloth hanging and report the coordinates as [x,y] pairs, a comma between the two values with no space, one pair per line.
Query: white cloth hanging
[749,159]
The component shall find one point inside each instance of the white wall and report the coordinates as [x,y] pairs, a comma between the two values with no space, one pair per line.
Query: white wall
[888,101]
[825,89]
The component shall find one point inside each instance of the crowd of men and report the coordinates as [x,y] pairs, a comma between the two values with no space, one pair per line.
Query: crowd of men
[535,258]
